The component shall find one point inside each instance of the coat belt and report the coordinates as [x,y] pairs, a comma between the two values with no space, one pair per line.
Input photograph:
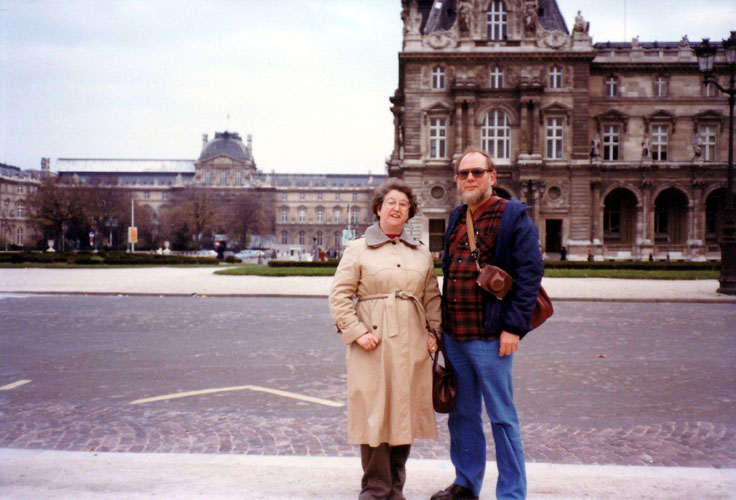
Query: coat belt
[391,312]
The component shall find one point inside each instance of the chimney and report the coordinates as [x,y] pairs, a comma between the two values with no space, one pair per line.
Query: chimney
[204,140]
[46,164]
[250,145]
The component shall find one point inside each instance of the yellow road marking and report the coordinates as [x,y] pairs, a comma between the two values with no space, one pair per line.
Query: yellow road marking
[14,385]
[238,388]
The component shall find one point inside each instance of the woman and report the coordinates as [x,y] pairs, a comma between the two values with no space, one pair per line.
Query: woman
[387,338]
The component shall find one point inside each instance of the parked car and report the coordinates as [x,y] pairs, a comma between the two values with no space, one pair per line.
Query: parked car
[250,254]
[206,253]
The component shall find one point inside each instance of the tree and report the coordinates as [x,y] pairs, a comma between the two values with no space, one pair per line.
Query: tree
[58,207]
[246,214]
[191,217]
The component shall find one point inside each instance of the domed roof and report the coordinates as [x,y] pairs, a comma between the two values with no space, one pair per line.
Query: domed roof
[225,144]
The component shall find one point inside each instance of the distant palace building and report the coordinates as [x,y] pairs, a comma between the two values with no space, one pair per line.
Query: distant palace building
[307,206]
[618,148]
[17,229]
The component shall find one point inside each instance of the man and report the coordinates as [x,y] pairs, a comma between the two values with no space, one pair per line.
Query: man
[481,333]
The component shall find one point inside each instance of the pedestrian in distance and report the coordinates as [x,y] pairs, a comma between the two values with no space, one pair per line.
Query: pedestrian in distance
[389,335]
[481,333]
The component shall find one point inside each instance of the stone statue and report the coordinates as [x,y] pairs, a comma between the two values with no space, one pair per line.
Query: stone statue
[581,25]
[645,148]
[411,17]
[698,147]
[595,150]
[465,16]
[530,18]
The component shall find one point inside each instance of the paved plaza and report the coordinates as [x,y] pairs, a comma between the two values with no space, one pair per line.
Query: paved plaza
[609,392]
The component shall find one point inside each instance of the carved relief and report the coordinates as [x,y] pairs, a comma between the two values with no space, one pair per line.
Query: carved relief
[441,39]
[554,40]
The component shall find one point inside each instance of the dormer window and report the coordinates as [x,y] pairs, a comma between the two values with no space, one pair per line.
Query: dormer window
[496,20]
[438,78]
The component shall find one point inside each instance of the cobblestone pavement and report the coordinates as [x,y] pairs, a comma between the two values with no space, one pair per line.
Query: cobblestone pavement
[600,383]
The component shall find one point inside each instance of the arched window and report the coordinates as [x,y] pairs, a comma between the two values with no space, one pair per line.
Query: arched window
[354,215]
[319,238]
[496,135]
[284,214]
[670,217]
[496,20]
[619,217]
[284,238]
[338,239]
[301,237]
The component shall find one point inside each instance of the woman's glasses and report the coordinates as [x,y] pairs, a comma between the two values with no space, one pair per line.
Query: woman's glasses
[477,172]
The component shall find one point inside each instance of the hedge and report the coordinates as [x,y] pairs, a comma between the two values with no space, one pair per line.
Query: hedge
[101,258]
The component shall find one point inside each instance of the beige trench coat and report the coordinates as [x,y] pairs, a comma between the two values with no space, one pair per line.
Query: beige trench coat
[390,388]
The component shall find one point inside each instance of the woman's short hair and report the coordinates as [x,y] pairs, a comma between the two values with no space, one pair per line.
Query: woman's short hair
[473,149]
[393,184]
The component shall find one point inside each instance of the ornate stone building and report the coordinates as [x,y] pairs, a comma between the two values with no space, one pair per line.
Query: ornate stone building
[16,225]
[307,207]
[618,148]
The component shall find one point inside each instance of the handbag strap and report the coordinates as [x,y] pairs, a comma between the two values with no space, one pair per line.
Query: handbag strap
[471,236]
[440,349]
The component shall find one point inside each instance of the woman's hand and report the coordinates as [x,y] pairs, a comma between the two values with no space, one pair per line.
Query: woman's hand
[368,341]
[431,343]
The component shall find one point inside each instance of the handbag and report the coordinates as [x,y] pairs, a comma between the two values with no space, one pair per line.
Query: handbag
[542,309]
[498,282]
[444,383]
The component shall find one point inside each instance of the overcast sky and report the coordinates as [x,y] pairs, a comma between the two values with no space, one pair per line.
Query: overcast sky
[309,79]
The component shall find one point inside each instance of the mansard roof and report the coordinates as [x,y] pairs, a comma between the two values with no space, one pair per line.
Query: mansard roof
[123,166]
[550,16]
[322,180]
[438,16]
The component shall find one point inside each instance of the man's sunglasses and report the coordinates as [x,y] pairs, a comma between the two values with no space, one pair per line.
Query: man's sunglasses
[477,172]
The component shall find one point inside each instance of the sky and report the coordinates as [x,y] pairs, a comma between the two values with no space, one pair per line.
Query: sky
[309,79]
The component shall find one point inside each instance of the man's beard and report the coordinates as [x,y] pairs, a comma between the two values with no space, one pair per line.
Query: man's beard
[477,196]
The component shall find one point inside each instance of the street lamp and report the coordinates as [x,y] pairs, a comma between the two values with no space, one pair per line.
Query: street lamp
[706,54]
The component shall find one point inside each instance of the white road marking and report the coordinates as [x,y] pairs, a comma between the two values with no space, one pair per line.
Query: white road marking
[14,385]
[277,392]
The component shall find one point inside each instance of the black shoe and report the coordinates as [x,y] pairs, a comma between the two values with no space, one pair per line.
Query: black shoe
[454,492]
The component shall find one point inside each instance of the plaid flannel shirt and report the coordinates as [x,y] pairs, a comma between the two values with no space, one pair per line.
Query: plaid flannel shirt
[462,304]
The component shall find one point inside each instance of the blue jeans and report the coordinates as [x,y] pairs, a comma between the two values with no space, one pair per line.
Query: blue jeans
[483,376]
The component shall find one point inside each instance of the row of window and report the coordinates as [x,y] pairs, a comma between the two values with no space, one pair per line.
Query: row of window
[18,236]
[301,238]
[496,80]
[554,81]
[496,139]
[223,178]
[320,196]
[19,188]
[20,210]
[660,87]
[336,214]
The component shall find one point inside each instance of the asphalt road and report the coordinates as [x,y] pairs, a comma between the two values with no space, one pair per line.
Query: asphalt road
[599,383]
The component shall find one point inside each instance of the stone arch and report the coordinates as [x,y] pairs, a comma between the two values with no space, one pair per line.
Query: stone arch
[619,208]
[670,216]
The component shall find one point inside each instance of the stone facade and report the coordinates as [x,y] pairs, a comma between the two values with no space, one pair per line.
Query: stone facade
[618,148]
[17,228]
